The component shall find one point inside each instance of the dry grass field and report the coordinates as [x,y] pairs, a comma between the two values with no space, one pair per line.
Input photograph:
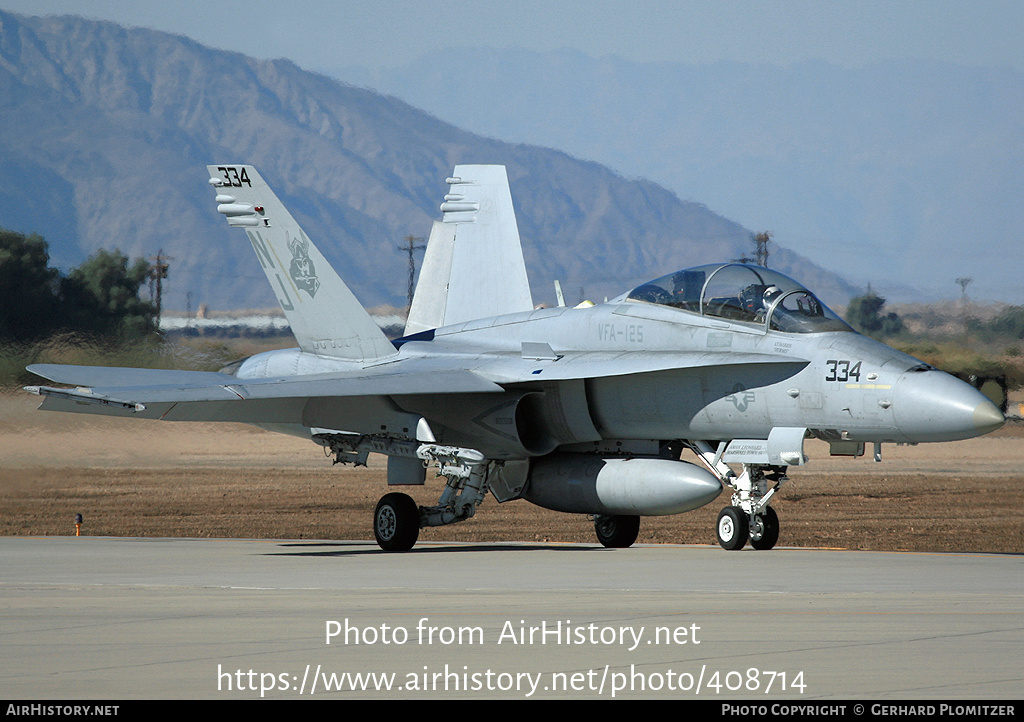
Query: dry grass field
[153,479]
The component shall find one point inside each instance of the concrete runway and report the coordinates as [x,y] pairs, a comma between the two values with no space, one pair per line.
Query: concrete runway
[120,618]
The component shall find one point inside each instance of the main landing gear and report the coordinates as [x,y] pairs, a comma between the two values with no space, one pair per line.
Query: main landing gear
[617,532]
[397,520]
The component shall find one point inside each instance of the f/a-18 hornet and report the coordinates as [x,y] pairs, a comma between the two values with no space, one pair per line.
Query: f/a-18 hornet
[585,410]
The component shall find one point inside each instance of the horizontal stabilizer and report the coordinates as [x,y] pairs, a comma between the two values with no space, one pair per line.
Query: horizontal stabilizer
[121,376]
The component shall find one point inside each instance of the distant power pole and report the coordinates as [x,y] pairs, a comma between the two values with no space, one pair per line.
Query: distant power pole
[157,273]
[411,248]
[761,250]
[964,282]
[761,239]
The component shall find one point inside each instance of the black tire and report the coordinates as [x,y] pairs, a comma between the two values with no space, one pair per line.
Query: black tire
[732,528]
[396,522]
[617,532]
[768,535]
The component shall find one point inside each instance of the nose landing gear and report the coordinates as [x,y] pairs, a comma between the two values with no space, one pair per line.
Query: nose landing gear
[764,533]
[732,529]
[750,517]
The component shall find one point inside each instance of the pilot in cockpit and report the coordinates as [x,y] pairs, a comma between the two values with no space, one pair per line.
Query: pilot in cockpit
[768,297]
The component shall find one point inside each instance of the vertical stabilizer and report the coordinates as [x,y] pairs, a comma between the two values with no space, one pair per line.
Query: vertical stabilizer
[473,266]
[322,312]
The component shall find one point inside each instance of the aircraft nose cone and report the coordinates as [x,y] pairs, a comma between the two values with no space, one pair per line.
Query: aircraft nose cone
[934,406]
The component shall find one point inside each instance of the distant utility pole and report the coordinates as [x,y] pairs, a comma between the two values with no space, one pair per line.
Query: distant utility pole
[411,248]
[964,282]
[761,239]
[761,250]
[157,273]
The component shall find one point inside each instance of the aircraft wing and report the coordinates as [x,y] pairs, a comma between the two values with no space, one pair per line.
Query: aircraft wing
[356,399]
[205,396]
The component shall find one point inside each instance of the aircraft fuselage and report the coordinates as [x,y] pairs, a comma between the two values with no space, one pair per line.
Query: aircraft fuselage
[687,377]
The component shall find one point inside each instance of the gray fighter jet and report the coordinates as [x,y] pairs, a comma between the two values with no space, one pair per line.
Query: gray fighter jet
[586,410]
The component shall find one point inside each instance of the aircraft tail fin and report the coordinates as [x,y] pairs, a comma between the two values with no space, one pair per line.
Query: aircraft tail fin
[473,266]
[322,312]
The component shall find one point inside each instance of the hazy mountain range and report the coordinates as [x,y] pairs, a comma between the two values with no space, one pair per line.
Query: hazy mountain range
[106,133]
[903,172]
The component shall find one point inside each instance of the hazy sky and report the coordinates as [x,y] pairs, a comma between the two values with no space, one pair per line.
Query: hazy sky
[331,35]
[326,34]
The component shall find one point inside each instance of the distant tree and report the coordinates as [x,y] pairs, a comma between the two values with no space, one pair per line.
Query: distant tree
[865,314]
[102,297]
[1008,324]
[29,288]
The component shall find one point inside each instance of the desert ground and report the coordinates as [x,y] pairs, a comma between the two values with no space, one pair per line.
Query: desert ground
[160,479]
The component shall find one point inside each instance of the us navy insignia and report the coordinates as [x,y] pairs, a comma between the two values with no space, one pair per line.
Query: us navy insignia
[741,398]
[302,270]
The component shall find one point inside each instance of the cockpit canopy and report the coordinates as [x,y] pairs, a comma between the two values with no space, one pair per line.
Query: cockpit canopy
[738,292]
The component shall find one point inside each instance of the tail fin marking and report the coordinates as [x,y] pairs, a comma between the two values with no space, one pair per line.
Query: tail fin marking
[322,312]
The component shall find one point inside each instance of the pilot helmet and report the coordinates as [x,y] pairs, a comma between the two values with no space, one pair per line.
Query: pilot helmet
[770,294]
